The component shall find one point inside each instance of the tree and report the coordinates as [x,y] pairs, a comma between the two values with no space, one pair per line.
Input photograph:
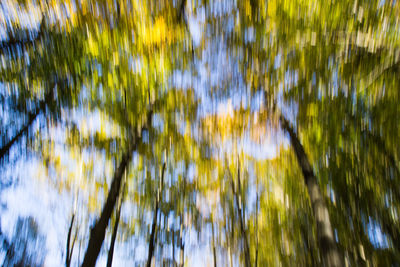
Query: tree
[330,253]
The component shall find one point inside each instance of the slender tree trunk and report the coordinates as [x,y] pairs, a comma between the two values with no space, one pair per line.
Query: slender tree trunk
[115,229]
[113,238]
[153,237]
[213,242]
[182,253]
[182,245]
[242,224]
[326,240]
[173,246]
[97,234]
[68,248]
[256,224]
[231,241]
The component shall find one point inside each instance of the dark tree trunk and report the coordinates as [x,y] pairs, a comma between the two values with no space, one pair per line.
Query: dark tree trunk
[97,233]
[181,243]
[256,224]
[182,253]
[153,236]
[326,240]
[242,224]
[68,248]
[213,243]
[181,12]
[173,246]
[115,229]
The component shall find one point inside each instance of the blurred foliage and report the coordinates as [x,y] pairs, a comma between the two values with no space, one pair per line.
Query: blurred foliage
[80,78]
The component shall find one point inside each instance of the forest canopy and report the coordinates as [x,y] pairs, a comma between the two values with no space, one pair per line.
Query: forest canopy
[199,132]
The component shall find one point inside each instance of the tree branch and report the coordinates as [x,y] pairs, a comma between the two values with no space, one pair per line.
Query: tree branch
[12,42]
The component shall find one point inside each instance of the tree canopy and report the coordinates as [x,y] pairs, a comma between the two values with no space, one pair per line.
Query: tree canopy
[184,133]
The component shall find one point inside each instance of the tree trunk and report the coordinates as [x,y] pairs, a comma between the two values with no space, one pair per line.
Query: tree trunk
[326,240]
[182,253]
[242,224]
[97,234]
[256,224]
[153,237]
[68,249]
[182,245]
[173,246]
[213,242]
[231,239]
[115,229]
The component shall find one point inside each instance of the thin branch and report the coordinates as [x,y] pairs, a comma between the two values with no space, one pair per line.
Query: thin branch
[377,72]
